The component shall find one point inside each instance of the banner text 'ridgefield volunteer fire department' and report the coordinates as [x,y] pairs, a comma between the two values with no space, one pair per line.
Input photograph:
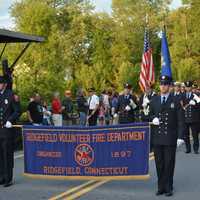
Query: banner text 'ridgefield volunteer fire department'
[116,152]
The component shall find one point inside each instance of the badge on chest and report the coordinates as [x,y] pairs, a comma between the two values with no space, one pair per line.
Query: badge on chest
[6,101]
[172,105]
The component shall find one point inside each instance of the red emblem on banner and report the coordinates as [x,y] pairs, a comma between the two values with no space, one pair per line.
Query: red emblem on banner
[84,155]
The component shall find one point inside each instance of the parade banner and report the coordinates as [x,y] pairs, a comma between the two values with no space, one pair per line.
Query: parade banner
[113,152]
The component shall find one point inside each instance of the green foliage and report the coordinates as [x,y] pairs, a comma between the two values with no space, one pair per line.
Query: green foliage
[183,31]
[85,49]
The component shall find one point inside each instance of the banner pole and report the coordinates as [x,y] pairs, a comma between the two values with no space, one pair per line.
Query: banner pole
[17,126]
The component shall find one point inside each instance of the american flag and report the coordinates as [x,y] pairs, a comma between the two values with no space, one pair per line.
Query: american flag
[147,74]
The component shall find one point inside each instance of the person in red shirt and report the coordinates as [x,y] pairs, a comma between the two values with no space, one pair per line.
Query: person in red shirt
[56,110]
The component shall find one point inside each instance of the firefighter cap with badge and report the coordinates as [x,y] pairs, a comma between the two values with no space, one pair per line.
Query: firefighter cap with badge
[165,80]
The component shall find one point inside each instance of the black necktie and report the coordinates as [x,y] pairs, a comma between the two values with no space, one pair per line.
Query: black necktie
[89,101]
[163,100]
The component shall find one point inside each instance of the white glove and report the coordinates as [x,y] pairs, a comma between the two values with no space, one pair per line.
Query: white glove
[180,142]
[132,104]
[8,124]
[144,105]
[192,103]
[146,100]
[156,121]
[115,115]
[196,98]
[128,108]
[47,113]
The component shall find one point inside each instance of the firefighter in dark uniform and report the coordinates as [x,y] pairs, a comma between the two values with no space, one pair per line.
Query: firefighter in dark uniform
[144,102]
[195,89]
[180,96]
[177,91]
[9,112]
[126,106]
[165,115]
[191,113]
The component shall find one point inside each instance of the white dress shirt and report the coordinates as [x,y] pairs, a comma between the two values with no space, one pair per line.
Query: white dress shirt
[93,101]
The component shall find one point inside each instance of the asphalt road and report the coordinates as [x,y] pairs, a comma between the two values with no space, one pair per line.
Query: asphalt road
[186,183]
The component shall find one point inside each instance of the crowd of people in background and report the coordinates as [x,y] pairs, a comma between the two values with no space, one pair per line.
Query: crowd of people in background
[81,110]
[108,108]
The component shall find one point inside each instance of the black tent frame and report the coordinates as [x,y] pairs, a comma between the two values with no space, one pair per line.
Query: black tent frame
[7,36]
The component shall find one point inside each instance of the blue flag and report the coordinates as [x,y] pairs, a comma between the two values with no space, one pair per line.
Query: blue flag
[165,57]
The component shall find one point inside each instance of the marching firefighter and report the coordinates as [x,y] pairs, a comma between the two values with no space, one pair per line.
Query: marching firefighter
[9,113]
[165,113]
[191,103]
[127,105]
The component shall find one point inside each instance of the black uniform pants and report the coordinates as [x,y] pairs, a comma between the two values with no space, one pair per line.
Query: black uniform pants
[195,135]
[165,157]
[6,156]
[92,121]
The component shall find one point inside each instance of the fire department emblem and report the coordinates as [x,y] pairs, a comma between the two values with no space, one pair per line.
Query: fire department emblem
[84,155]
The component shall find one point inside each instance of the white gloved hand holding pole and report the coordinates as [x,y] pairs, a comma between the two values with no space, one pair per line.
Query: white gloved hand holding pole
[196,98]
[8,124]
[146,100]
[144,105]
[127,108]
[192,103]
[156,121]
[132,104]
[115,115]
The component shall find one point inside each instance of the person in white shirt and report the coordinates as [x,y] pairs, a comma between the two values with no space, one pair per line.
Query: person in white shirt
[93,103]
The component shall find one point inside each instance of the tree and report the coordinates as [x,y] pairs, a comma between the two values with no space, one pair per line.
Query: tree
[183,31]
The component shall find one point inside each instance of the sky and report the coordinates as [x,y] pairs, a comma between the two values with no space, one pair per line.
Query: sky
[101,5]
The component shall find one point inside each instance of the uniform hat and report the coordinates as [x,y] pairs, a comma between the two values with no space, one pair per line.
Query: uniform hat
[165,80]
[127,86]
[188,84]
[195,85]
[2,79]
[177,84]
[182,84]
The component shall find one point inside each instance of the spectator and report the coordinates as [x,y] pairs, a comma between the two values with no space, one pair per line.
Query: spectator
[102,113]
[93,102]
[67,107]
[82,107]
[56,110]
[114,103]
[106,102]
[35,111]
[46,114]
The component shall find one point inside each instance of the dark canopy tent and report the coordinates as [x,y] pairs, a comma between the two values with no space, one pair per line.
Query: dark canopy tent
[6,37]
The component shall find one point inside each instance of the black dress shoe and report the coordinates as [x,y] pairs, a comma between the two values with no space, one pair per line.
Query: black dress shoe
[188,151]
[7,184]
[196,152]
[159,192]
[169,194]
